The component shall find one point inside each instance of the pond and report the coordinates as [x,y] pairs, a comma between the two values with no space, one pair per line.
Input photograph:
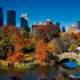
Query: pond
[48,72]
[69,63]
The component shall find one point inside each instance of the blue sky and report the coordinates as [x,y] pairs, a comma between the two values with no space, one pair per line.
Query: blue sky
[65,11]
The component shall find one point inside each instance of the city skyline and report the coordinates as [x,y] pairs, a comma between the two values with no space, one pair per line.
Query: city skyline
[64,11]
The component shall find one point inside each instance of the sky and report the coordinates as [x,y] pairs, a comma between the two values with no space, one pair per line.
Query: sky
[64,11]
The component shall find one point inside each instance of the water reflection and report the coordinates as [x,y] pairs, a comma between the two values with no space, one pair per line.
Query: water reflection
[40,73]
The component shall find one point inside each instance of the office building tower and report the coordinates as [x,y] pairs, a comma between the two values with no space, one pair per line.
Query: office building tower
[63,29]
[1,16]
[24,25]
[24,20]
[11,17]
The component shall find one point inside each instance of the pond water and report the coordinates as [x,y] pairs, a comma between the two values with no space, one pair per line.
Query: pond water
[29,76]
[49,72]
[71,64]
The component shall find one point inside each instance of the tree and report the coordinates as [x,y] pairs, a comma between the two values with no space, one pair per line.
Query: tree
[41,53]
[3,55]
[54,33]
[72,47]
[52,47]
[64,41]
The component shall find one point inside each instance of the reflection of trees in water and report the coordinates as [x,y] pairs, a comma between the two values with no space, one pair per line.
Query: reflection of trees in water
[16,74]
[15,77]
[43,71]
[51,73]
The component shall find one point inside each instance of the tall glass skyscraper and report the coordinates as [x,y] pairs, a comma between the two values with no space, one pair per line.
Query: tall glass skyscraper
[1,16]
[24,25]
[24,20]
[11,17]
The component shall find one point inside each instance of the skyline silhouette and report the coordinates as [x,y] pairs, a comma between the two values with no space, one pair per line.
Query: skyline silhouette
[64,11]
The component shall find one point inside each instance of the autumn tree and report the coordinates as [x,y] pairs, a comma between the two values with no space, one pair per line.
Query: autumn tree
[40,52]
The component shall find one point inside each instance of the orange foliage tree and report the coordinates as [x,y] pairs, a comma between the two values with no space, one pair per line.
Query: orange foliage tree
[15,57]
[41,52]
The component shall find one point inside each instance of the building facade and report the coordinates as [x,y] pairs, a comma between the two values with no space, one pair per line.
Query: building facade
[24,20]
[25,30]
[1,16]
[45,30]
[11,17]
[63,29]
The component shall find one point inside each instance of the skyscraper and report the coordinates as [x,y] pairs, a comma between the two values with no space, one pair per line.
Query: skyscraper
[1,16]
[63,29]
[24,24]
[24,20]
[11,17]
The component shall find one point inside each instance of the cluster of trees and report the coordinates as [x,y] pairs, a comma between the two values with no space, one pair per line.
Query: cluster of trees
[11,35]
[69,41]
[59,43]
[43,50]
